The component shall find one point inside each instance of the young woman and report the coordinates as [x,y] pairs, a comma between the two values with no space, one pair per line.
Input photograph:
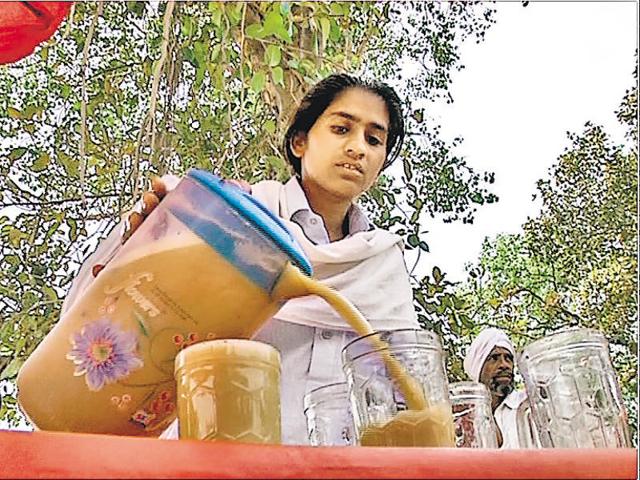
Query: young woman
[345,132]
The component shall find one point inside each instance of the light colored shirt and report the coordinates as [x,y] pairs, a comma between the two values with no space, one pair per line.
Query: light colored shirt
[506,418]
[311,223]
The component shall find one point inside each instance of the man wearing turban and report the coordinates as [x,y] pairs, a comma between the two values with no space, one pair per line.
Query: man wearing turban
[490,360]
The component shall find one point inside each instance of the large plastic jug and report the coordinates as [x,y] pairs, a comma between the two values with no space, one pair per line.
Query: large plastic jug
[208,263]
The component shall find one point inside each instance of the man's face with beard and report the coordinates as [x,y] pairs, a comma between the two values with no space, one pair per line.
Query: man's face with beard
[497,373]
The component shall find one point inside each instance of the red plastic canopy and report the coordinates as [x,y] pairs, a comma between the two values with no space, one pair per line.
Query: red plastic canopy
[24,25]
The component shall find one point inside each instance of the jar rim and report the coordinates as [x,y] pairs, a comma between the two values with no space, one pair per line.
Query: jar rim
[415,337]
[231,350]
[335,390]
[560,340]
[469,389]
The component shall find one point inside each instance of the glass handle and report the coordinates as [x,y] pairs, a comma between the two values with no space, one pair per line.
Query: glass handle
[527,433]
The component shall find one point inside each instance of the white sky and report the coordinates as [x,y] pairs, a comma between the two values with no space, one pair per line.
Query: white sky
[542,70]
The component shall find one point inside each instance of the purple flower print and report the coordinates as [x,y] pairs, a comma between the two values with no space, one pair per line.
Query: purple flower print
[103,353]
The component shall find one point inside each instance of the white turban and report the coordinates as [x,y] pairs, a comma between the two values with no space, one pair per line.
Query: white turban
[481,347]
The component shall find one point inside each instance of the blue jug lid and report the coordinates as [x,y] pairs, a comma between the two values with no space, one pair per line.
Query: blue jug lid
[256,214]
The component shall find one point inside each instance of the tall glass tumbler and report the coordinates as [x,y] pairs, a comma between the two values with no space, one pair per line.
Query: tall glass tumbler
[380,412]
[229,390]
[573,390]
[328,413]
[472,415]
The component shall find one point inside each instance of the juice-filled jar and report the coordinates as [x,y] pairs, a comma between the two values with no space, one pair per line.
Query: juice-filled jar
[399,389]
[229,390]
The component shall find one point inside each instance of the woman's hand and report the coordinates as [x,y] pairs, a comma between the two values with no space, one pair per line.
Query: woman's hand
[152,198]
[149,202]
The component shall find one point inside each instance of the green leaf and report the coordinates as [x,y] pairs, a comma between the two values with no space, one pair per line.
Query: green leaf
[14,113]
[276,162]
[73,229]
[51,293]
[70,165]
[325,28]
[274,25]
[15,236]
[437,274]
[408,172]
[255,30]
[215,52]
[272,22]
[270,126]
[258,81]
[278,76]
[413,240]
[216,13]
[272,55]
[336,8]
[12,260]
[41,163]
[17,153]
[11,370]
[187,26]
[234,12]
[476,197]
[65,91]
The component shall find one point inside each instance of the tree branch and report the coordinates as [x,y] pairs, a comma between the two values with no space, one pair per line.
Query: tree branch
[83,102]
[58,202]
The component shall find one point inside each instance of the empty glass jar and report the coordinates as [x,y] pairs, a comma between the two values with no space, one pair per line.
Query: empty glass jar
[573,391]
[375,366]
[329,420]
[229,390]
[475,426]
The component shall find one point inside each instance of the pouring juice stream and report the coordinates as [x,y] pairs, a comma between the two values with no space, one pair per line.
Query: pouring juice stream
[295,284]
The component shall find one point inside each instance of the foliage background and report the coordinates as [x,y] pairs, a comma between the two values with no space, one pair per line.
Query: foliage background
[129,89]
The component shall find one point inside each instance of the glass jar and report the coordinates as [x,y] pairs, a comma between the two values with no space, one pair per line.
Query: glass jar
[378,368]
[573,391]
[229,390]
[527,433]
[329,420]
[472,415]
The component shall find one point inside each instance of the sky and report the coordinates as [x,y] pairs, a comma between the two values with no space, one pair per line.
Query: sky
[543,70]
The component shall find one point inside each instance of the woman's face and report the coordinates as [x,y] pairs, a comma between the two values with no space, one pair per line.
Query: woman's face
[344,151]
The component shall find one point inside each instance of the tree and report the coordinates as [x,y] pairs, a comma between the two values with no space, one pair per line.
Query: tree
[576,263]
[130,89]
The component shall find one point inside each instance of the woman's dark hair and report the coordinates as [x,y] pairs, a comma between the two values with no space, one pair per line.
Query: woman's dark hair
[316,101]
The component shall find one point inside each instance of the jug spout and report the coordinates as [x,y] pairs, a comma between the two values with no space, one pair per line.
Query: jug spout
[291,284]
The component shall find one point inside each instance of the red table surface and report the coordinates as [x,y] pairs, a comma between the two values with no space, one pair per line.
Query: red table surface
[72,455]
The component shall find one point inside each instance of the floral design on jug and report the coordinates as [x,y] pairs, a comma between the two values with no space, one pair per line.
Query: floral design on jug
[121,402]
[108,306]
[181,341]
[103,353]
[143,417]
[163,404]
